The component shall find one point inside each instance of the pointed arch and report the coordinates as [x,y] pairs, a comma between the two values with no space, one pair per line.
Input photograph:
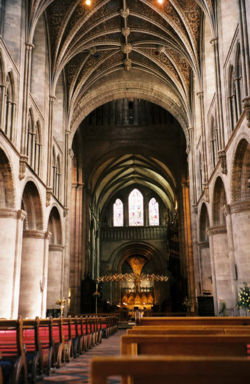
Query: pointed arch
[135,208]
[55,227]
[31,204]
[153,208]
[9,106]
[118,213]
[240,182]
[219,201]
[7,195]
[204,223]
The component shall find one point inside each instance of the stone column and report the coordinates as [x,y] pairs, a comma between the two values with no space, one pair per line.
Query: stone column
[2,105]
[188,243]
[204,145]
[32,273]
[10,260]
[240,213]
[44,283]
[55,275]
[26,89]
[205,266]
[244,47]
[49,150]
[221,143]
[221,269]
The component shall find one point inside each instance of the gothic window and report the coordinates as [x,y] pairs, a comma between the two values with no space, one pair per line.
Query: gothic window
[118,213]
[238,80]
[9,108]
[135,204]
[58,176]
[54,172]
[37,148]
[232,99]
[30,146]
[200,172]
[214,141]
[153,212]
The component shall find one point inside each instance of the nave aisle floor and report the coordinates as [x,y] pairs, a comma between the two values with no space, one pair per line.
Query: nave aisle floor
[77,371]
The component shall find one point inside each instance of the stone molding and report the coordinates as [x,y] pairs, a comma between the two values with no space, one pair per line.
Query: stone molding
[246,106]
[35,234]
[203,244]
[56,247]
[12,213]
[240,206]
[223,161]
[219,229]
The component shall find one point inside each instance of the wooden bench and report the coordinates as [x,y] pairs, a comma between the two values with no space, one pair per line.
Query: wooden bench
[13,362]
[187,345]
[189,321]
[189,330]
[171,369]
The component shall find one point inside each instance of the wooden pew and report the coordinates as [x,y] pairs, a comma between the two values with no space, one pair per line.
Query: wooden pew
[46,344]
[13,362]
[190,321]
[192,330]
[171,369]
[187,345]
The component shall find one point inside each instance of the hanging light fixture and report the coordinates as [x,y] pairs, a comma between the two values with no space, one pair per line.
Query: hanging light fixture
[88,2]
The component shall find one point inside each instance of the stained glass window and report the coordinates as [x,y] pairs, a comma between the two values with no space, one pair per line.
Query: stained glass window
[118,213]
[153,212]
[135,206]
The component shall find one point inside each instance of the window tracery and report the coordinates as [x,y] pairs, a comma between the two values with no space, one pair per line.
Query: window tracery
[153,208]
[118,213]
[135,203]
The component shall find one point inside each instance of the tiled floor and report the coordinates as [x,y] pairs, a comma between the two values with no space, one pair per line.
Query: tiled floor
[77,371]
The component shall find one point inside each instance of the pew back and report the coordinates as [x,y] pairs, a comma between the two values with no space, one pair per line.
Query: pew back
[160,369]
[188,345]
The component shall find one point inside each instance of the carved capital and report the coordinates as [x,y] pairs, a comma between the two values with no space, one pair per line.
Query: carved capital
[214,41]
[223,161]
[195,209]
[66,211]
[22,166]
[246,106]
[12,213]
[206,192]
[240,206]
[34,234]
[219,229]
[71,153]
[56,247]
[49,193]
[226,210]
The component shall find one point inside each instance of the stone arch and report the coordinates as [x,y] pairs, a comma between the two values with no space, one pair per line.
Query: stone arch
[141,89]
[31,204]
[240,182]
[7,194]
[55,227]
[219,201]
[55,261]
[204,223]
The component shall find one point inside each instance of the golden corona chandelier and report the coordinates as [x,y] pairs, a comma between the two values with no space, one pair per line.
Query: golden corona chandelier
[117,277]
